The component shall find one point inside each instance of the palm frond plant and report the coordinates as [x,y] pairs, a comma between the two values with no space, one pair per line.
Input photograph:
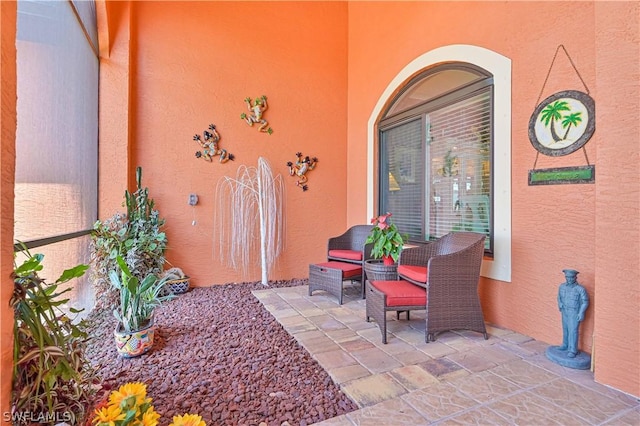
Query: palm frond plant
[51,373]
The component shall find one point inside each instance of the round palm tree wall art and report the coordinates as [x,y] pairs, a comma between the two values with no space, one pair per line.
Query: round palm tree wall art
[562,123]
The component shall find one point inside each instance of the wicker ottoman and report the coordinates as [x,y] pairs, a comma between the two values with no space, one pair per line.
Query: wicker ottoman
[399,296]
[330,277]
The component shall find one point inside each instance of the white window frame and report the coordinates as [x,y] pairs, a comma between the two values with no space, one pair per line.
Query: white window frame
[498,268]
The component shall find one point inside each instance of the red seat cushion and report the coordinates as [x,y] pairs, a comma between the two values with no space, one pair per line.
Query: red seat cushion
[402,293]
[416,273]
[346,254]
[348,269]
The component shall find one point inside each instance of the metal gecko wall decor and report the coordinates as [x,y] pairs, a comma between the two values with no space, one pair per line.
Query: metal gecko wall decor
[210,146]
[302,166]
[256,113]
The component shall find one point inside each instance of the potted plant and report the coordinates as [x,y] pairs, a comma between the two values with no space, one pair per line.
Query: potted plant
[387,241]
[135,330]
[136,236]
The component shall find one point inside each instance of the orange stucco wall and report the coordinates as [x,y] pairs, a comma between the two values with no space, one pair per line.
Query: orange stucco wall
[192,65]
[553,227]
[177,67]
[7,179]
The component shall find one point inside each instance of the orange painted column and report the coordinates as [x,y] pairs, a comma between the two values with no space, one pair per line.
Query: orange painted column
[114,32]
[617,239]
[7,184]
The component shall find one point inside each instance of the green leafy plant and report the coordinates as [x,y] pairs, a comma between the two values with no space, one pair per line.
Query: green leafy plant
[138,299]
[386,239]
[137,237]
[50,371]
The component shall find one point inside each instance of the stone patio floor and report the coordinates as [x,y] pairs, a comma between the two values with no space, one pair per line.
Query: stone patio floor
[460,379]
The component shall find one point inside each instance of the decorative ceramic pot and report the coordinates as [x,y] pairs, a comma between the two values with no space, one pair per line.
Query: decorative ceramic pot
[178,286]
[135,343]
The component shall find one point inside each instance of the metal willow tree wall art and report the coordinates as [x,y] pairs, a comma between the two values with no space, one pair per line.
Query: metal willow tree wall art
[249,205]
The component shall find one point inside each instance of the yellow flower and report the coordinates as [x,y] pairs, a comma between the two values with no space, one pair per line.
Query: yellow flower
[108,415]
[137,389]
[150,418]
[188,420]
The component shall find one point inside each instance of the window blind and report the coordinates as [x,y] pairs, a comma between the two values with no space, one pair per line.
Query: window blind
[402,181]
[460,168]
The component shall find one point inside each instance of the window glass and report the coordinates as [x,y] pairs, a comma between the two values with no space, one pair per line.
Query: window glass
[432,86]
[401,184]
[57,122]
[436,158]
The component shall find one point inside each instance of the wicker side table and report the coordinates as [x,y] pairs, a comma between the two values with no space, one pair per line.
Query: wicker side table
[375,270]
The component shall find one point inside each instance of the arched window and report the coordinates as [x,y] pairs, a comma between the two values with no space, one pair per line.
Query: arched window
[436,153]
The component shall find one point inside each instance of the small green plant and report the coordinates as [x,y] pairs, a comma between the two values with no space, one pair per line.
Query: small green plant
[138,299]
[387,241]
[50,371]
[137,237]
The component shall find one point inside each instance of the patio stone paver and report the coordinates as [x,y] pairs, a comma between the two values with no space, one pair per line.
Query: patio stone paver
[485,386]
[629,418]
[334,359]
[309,335]
[590,405]
[371,390]
[341,335]
[437,349]
[439,401]
[440,366]
[523,373]
[396,346]
[412,377]
[459,379]
[527,409]
[516,338]
[311,312]
[348,373]
[475,361]
[356,344]
[319,344]
[411,357]
[482,416]
[395,410]
[326,322]
[375,360]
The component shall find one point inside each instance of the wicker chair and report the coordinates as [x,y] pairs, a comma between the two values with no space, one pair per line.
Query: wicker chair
[449,268]
[350,247]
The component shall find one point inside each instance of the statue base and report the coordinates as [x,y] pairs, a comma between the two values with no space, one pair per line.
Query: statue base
[582,361]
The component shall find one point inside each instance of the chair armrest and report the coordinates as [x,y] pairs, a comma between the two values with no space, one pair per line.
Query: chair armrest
[418,255]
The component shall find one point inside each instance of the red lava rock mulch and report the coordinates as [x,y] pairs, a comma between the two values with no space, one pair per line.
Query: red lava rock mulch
[218,353]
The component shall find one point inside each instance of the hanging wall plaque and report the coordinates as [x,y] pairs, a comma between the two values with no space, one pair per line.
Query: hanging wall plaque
[560,125]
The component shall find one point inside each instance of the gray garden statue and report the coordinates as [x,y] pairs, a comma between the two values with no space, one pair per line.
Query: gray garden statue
[573,301]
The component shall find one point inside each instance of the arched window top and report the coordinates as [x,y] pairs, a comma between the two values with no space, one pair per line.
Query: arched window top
[435,83]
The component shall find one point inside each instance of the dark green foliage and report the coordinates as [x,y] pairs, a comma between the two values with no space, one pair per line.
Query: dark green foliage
[51,374]
[136,237]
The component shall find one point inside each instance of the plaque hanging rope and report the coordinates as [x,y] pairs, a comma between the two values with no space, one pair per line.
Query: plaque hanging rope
[545,83]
